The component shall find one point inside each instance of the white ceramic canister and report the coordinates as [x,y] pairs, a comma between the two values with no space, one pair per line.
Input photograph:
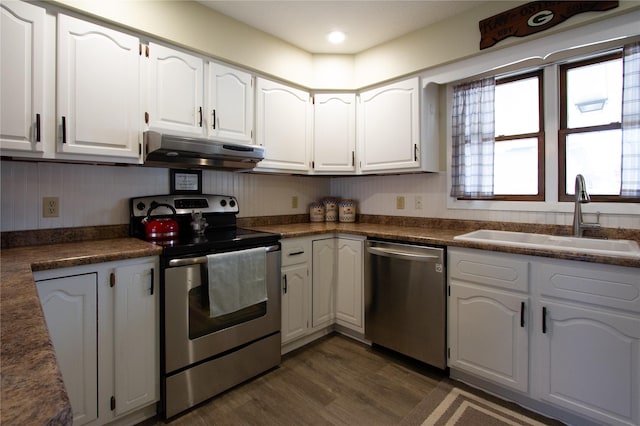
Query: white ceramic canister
[316,212]
[347,211]
[330,209]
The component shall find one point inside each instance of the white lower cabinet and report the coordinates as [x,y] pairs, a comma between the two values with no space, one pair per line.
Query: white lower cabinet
[295,306]
[322,285]
[586,344]
[324,266]
[71,311]
[349,285]
[578,335]
[103,322]
[487,336]
[296,288]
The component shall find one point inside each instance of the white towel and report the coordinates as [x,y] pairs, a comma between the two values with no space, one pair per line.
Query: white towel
[237,280]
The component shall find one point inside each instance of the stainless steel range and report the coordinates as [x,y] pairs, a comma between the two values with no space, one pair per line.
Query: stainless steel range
[219,297]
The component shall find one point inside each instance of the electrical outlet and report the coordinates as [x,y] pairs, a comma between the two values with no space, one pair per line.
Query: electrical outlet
[400,202]
[294,202]
[418,202]
[50,207]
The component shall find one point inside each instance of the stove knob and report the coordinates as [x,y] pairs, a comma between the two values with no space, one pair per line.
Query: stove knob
[223,202]
[232,203]
[141,206]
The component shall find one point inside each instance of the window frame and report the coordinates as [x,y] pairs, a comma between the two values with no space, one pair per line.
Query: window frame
[540,135]
[563,131]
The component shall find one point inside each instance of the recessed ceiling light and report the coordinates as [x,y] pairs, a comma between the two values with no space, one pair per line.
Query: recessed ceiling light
[336,37]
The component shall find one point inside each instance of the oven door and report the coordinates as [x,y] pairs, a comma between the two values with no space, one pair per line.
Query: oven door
[190,334]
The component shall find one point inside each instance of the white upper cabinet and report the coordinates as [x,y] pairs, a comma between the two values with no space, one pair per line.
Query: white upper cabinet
[175,91]
[334,133]
[98,95]
[389,127]
[229,104]
[22,83]
[283,126]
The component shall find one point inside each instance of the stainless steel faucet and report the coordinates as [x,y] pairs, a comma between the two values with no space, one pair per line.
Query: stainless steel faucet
[582,197]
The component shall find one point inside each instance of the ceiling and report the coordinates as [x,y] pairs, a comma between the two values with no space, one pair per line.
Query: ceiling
[305,24]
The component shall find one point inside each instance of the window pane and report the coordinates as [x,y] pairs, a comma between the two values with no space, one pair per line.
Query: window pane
[516,107]
[595,155]
[516,167]
[594,94]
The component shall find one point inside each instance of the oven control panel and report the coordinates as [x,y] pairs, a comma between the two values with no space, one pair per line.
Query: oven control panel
[184,204]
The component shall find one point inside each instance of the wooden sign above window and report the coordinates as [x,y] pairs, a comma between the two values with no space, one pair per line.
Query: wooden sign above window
[533,17]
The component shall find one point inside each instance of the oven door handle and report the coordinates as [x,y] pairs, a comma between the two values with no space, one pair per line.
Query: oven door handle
[203,259]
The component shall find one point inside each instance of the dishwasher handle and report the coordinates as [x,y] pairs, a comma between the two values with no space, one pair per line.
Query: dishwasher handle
[420,257]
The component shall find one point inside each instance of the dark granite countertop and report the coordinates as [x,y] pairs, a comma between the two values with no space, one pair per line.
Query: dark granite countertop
[32,388]
[33,392]
[432,235]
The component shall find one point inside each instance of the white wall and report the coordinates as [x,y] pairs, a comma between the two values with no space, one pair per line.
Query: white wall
[99,195]
[193,26]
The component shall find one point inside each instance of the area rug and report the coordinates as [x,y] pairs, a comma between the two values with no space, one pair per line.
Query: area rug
[451,403]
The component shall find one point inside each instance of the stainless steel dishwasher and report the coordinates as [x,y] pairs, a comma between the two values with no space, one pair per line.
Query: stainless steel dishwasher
[405,300]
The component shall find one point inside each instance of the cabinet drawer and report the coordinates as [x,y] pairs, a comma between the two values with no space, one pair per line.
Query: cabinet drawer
[605,285]
[500,270]
[295,250]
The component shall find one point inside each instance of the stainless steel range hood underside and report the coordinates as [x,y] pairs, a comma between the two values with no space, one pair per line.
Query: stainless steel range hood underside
[166,150]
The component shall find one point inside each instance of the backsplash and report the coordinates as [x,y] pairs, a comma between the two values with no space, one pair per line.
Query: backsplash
[92,195]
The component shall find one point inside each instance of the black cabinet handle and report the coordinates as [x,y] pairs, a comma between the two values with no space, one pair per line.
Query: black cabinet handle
[152,281]
[544,320]
[64,129]
[353,158]
[415,152]
[200,112]
[295,253]
[521,314]
[214,119]
[37,127]
[285,283]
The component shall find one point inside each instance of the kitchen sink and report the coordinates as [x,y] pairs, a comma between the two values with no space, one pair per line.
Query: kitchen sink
[544,241]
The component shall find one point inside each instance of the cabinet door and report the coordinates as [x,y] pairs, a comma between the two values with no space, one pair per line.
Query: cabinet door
[588,360]
[22,82]
[70,309]
[323,282]
[135,336]
[334,133]
[283,126]
[230,111]
[389,127]
[99,109]
[349,284]
[488,334]
[295,305]
[176,90]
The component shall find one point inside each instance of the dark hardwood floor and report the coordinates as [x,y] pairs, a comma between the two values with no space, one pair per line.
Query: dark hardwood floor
[333,381]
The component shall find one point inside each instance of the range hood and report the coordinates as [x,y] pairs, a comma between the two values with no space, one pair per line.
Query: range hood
[162,149]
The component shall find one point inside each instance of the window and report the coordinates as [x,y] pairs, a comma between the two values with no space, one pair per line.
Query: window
[519,142]
[498,139]
[590,134]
